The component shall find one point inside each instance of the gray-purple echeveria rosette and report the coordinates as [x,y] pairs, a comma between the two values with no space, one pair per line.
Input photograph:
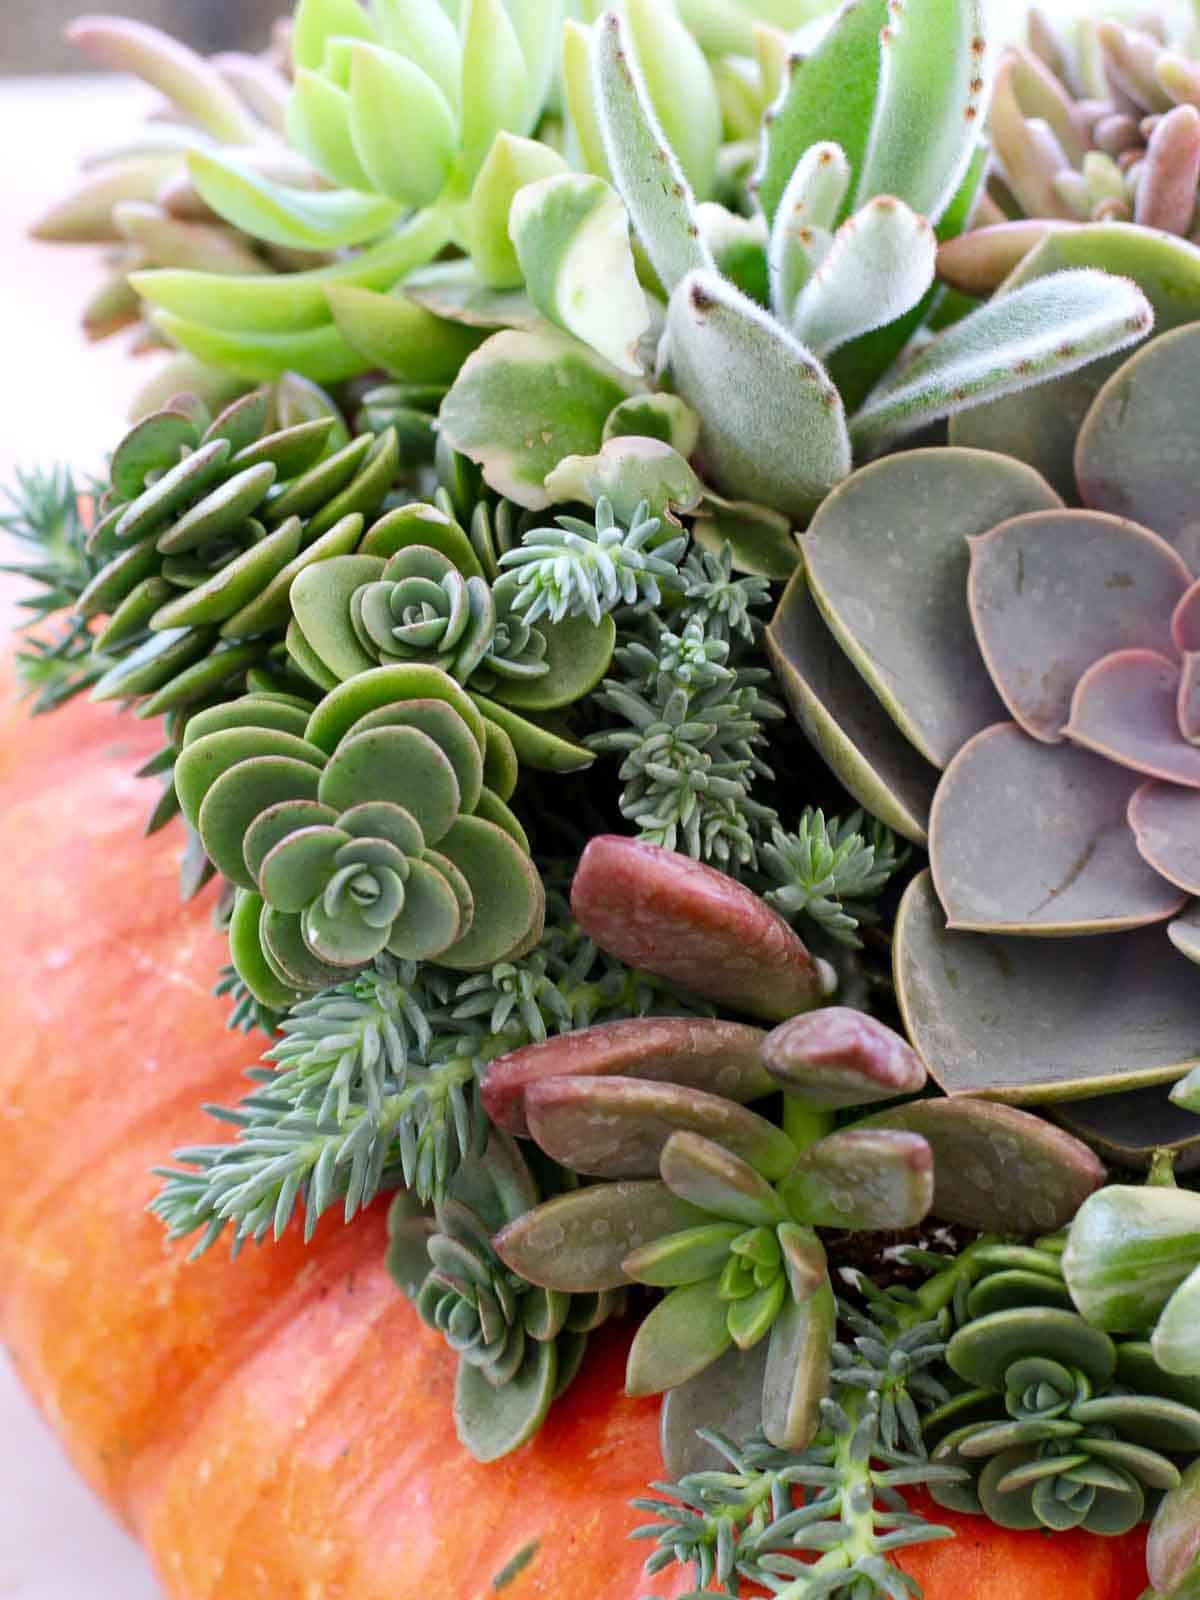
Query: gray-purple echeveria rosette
[1036,722]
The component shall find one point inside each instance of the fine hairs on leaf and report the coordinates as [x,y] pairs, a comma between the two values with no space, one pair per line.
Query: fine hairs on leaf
[827,871]
[44,515]
[839,1499]
[374,1084]
[585,569]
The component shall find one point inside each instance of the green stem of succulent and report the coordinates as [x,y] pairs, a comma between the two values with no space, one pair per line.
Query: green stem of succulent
[1162,1170]
[804,1124]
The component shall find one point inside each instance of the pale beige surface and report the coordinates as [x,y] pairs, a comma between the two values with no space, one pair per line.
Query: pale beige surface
[58,397]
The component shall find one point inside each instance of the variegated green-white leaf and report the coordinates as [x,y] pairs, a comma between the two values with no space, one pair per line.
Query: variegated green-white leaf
[571,234]
[525,400]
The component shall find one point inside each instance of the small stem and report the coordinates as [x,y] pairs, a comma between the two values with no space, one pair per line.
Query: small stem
[804,1124]
[1162,1170]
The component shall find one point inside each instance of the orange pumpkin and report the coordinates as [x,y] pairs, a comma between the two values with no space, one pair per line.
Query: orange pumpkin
[276,1427]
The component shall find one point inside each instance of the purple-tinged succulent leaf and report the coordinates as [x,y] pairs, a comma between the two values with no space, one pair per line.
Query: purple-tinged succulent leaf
[577,1241]
[1052,592]
[837,1057]
[862,1178]
[1040,425]
[1124,708]
[1187,697]
[851,730]
[995,1166]
[1127,1129]
[1173,1547]
[1185,621]
[615,1127]
[1137,447]
[726,1396]
[887,561]
[712,1177]
[797,1375]
[1055,856]
[1165,819]
[678,1339]
[656,909]
[992,1016]
[696,1052]
[1184,933]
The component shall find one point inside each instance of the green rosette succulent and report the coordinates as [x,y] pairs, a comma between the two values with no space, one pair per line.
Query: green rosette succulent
[519,1345]
[1055,1429]
[418,590]
[362,826]
[954,614]
[203,527]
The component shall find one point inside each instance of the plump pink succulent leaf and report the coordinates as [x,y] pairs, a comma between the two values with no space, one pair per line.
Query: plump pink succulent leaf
[1185,621]
[853,733]
[577,1241]
[1040,425]
[995,1166]
[1187,697]
[996,1017]
[862,1178]
[1165,819]
[1031,838]
[726,1396]
[1184,933]
[1139,447]
[1124,708]
[712,1177]
[836,1057]
[616,1127]
[656,909]
[797,1375]
[1053,591]
[697,1052]
[1125,1129]
[887,560]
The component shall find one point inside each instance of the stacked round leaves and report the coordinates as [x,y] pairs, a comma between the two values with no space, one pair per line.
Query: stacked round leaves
[359,827]
[205,524]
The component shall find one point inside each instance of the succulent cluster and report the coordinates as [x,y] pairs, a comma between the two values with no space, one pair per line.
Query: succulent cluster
[1040,656]
[1059,1426]
[641,300]
[519,1346]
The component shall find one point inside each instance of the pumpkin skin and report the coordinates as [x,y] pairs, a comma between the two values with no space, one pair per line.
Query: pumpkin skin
[276,1427]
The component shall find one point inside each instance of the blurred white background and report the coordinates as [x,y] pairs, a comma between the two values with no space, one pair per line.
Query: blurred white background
[61,398]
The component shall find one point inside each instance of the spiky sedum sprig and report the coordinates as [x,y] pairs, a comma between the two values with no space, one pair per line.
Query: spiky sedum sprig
[374,1084]
[829,870]
[44,515]
[694,715]
[837,1501]
[585,569]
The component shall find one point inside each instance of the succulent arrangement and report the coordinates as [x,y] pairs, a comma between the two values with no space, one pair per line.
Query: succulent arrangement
[560,398]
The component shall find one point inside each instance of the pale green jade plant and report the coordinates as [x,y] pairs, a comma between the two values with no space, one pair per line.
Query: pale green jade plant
[1132,1264]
